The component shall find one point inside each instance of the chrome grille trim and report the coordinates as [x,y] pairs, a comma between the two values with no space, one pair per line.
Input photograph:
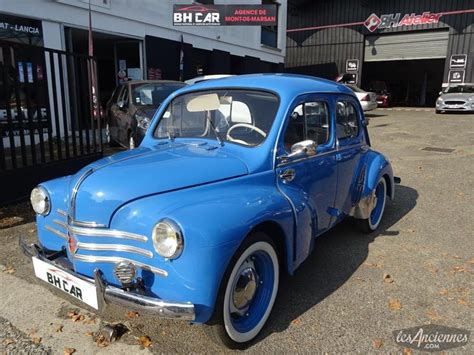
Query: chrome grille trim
[60,223]
[55,231]
[112,233]
[114,247]
[116,259]
[61,212]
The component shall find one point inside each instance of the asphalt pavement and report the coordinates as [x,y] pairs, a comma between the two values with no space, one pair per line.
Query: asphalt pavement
[349,296]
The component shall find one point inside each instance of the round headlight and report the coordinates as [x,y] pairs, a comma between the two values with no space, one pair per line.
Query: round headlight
[40,200]
[167,239]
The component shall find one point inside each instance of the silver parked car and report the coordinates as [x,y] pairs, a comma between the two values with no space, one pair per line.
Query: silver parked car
[368,100]
[457,97]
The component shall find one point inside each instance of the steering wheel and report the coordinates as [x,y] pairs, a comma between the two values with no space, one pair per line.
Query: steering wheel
[244,125]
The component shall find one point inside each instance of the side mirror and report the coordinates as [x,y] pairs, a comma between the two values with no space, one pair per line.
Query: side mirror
[300,150]
[440,93]
[121,104]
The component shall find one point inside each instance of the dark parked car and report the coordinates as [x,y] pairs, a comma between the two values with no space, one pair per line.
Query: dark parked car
[131,108]
[384,97]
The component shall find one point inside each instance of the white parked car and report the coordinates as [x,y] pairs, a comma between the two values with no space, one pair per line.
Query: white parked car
[198,79]
[368,100]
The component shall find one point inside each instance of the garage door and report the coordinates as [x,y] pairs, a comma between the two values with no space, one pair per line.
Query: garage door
[414,45]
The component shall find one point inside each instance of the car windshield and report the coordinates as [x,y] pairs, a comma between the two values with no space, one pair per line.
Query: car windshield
[238,116]
[467,89]
[152,94]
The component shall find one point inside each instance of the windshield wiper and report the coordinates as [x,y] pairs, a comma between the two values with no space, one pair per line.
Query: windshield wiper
[216,132]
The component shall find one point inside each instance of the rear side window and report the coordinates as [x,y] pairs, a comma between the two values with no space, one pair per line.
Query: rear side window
[308,121]
[347,124]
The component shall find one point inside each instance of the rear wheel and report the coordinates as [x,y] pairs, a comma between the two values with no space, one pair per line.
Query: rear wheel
[247,293]
[372,223]
[437,111]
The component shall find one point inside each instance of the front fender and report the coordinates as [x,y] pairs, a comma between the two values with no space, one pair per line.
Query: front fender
[214,219]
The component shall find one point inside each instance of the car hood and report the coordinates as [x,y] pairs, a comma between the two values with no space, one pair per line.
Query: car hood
[457,96]
[107,184]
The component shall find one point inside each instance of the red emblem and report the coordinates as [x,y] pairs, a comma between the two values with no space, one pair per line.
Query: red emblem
[72,244]
[372,22]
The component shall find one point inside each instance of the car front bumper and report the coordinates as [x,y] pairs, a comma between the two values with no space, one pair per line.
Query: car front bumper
[466,107]
[107,294]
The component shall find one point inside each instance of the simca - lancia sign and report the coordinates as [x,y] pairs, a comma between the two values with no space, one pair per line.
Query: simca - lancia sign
[381,22]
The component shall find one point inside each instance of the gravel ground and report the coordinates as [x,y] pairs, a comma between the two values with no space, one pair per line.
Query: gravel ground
[340,299]
[14,341]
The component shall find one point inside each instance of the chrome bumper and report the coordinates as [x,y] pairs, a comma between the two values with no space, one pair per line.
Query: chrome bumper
[107,294]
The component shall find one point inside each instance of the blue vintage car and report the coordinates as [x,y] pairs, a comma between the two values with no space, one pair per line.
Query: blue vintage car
[231,185]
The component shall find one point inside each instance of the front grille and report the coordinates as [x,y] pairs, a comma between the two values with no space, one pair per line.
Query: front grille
[455,102]
[111,243]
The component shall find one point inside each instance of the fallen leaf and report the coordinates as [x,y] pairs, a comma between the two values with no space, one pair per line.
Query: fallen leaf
[431,268]
[101,342]
[444,292]
[69,351]
[33,230]
[77,318]
[72,313]
[9,270]
[296,321]
[36,340]
[462,302]
[407,351]
[456,257]
[89,321]
[394,304]
[387,279]
[433,315]
[8,341]
[457,269]
[89,334]
[131,314]
[373,265]
[59,328]
[377,343]
[471,262]
[145,341]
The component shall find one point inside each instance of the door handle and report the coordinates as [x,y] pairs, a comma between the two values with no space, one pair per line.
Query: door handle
[364,148]
[338,157]
[288,175]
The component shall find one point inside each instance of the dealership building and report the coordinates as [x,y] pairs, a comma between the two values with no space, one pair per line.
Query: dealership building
[410,48]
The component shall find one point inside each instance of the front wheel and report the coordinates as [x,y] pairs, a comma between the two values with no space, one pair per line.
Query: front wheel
[380,195]
[247,293]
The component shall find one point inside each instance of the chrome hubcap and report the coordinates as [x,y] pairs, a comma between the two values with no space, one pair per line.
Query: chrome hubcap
[132,143]
[245,288]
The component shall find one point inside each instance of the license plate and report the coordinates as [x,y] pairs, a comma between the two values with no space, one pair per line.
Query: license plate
[82,290]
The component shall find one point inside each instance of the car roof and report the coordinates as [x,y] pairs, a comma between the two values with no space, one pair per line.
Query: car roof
[291,84]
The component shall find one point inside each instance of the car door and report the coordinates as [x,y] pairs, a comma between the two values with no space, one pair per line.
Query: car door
[309,183]
[122,116]
[114,112]
[350,146]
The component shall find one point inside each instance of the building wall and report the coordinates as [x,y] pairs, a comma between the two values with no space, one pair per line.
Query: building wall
[148,18]
[324,51]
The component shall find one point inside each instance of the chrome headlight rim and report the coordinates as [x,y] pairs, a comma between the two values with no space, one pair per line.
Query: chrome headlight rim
[40,191]
[178,237]
[143,122]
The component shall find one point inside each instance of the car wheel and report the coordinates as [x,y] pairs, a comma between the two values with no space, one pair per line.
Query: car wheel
[437,111]
[372,223]
[247,293]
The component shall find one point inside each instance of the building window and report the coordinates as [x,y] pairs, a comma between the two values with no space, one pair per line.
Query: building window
[269,35]
[205,2]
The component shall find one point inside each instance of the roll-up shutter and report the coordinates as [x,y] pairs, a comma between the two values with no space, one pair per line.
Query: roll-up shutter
[405,46]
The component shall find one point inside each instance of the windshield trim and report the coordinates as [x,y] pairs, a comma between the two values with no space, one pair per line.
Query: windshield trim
[173,97]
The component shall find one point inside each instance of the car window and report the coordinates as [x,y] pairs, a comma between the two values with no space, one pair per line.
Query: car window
[308,121]
[116,93]
[152,94]
[347,124]
[124,95]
